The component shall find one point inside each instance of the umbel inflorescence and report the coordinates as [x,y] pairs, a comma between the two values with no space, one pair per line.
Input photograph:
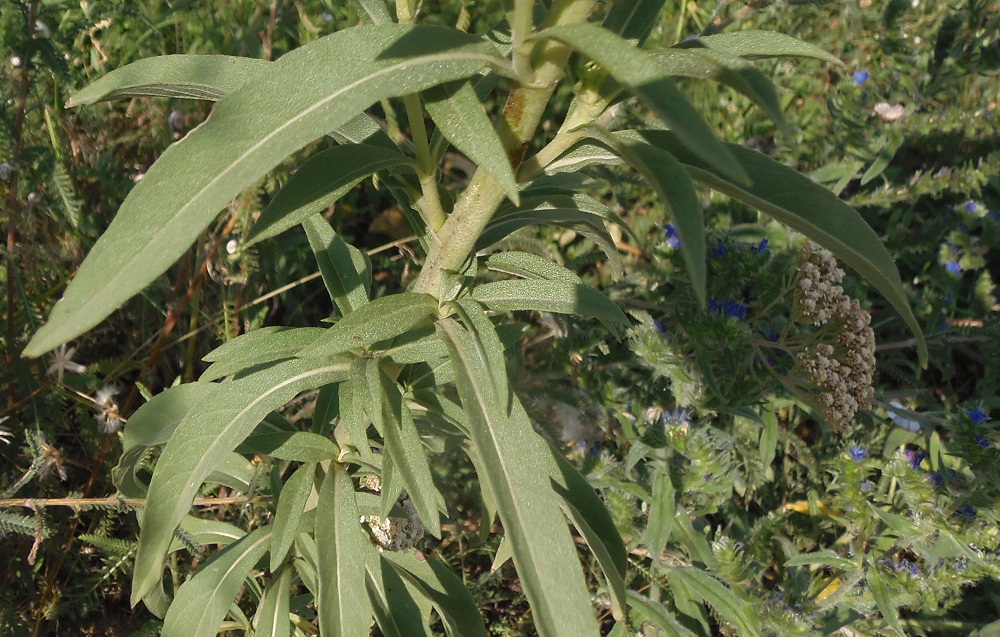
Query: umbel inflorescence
[841,367]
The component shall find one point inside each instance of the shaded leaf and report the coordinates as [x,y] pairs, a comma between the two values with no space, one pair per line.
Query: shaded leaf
[272,614]
[725,602]
[261,346]
[455,605]
[883,598]
[529,266]
[288,513]
[319,182]
[758,45]
[347,272]
[200,77]
[380,320]
[552,296]
[203,601]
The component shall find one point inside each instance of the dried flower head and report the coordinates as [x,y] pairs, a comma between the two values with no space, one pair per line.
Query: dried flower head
[393,534]
[109,420]
[841,370]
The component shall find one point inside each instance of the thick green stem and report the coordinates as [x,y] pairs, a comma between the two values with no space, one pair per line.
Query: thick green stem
[521,115]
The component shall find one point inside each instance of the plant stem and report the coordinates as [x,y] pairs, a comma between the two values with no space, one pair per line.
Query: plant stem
[429,205]
[522,114]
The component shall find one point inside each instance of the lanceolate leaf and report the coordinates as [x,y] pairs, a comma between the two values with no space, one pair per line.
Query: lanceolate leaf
[459,115]
[154,422]
[404,452]
[552,296]
[731,70]
[373,11]
[509,449]
[633,20]
[319,182]
[346,270]
[529,266]
[200,77]
[725,602]
[758,45]
[454,603]
[259,347]
[396,612]
[272,618]
[308,92]
[212,429]
[379,320]
[651,84]
[296,446]
[656,614]
[883,598]
[806,207]
[202,602]
[342,550]
[288,514]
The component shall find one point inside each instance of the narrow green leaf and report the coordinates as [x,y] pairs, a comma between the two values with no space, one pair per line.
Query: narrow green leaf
[657,614]
[288,514]
[509,449]
[459,115]
[396,612]
[662,510]
[735,611]
[342,550]
[320,181]
[552,296]
[589,515]
[373,11]
[768,443]
[272,615]
[346,270]
[884,156]
[529,266]
[203,601]
[730,70]
[824,557]
[455,605]
[203,439]
[636,71]
[380,320]
[154,422]
[309,92]
[203,532]
[883,598]
[404,451]
[633,20]
[758,45]
[295,446]
[806,207]
[200,77]
[259,347]
[416,346]
[352,418]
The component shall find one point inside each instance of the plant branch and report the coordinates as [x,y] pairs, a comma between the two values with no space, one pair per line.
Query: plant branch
[522,114]
[114,501]
[429,204]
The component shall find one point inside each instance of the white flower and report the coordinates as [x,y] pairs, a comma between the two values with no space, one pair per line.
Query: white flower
[62,361]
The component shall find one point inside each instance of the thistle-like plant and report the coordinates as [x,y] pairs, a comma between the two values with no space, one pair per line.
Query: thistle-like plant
[401,376]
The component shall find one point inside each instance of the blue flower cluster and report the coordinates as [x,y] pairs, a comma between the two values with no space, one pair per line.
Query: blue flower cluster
[860,77]
[857,453]
[673,239]
[728,307]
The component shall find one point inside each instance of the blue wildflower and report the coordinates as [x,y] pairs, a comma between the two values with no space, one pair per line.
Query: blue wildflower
[719,250]
[915,458]
[676,417]
[728,307]
[673,239]
[954,268]
[971,206]
[914,570]
[977,415]
[860,77]
[857,453]
[968,511]
[936,479]
[762,246]
[867,486]
[660,326]
[982,441]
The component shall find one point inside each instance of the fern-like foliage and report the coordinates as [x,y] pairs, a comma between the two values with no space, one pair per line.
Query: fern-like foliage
[67,199]
[17,523]
[110,546]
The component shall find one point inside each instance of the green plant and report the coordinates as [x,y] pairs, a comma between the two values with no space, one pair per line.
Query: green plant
[404,376]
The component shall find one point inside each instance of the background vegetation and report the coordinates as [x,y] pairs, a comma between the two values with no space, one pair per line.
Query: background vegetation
[780,507]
